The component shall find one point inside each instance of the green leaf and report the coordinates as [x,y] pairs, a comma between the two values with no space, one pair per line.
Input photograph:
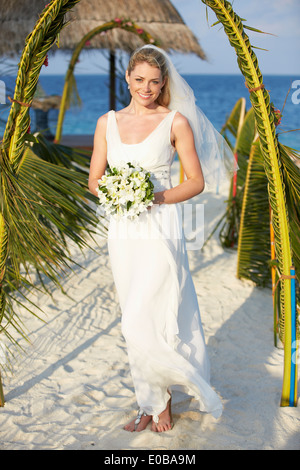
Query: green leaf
[254,235]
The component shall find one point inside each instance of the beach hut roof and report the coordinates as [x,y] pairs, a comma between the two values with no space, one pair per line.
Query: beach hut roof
[158,17]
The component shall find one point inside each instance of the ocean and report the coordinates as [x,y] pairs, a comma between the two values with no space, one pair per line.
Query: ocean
[215,94]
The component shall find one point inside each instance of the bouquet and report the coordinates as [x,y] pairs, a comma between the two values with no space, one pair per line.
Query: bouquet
[125,190]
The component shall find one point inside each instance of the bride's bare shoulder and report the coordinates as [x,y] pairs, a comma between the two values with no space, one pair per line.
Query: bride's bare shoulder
[102,124]
[180,122]
[103,119]
[181,128]
[180,119]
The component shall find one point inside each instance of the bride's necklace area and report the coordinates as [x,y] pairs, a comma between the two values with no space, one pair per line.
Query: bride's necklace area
[137,130]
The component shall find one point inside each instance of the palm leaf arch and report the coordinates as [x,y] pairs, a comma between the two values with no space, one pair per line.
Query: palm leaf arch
[17,197]
[44,205]
[273,165]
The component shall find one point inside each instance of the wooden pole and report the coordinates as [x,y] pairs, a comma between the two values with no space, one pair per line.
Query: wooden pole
[112,80]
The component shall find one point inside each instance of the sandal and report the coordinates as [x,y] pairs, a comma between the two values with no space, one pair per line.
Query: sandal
[138,418]
[132,425]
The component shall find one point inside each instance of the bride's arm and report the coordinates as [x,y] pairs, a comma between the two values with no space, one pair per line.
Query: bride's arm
[194,184]
[99,155]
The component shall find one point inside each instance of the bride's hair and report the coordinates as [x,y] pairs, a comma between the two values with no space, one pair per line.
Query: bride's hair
[155,59]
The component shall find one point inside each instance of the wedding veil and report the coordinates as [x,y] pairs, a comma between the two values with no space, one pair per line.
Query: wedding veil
[215,155]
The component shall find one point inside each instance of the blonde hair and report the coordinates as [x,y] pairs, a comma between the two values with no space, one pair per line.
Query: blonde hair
[155,59]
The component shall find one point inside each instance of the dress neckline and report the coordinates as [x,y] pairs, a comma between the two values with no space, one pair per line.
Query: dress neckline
[148,136]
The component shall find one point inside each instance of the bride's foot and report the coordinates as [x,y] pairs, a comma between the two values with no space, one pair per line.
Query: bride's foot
[139,423]
[164,421]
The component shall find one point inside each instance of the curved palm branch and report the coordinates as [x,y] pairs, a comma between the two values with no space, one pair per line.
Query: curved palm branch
[38,43]
[264,116]
[45,205]
[291,175]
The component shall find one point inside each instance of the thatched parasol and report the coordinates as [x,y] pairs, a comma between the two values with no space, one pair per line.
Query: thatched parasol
[159,17]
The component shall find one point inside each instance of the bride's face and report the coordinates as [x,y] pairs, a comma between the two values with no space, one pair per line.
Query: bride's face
[145,83]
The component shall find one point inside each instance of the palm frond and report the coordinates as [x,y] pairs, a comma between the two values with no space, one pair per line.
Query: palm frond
[47,209]
[265,122]
[241,125]
[234,120]
[45,204]
[61,155]
[254,234]
[38,43]
[291,174]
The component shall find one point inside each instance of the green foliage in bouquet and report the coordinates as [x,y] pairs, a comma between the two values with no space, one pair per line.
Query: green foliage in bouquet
[126,190]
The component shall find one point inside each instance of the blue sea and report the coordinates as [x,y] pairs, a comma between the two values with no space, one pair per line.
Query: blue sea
[215,94]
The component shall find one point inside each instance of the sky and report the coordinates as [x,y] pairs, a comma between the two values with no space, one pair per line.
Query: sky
[279,18]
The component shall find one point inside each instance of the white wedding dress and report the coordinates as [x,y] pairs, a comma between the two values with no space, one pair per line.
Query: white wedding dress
[160,315]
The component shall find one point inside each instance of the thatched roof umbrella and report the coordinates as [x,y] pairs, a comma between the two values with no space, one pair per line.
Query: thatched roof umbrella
[159,17]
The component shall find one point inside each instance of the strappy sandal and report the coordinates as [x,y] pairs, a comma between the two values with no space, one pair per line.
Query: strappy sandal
[138,418]
[134,423]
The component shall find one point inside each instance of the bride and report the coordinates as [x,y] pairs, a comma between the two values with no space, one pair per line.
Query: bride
[160,314]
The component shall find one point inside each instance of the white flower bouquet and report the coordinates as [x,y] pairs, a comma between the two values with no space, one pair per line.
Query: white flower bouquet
[125,190]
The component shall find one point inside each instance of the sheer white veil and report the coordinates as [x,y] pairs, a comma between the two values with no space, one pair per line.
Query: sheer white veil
[215,155]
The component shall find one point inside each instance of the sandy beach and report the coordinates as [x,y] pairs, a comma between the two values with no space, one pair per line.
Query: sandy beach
[73,389]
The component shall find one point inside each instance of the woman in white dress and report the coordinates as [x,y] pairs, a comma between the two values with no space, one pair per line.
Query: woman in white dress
[160,314]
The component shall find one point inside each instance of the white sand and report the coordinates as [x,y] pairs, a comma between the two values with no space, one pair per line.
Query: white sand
[73,389]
